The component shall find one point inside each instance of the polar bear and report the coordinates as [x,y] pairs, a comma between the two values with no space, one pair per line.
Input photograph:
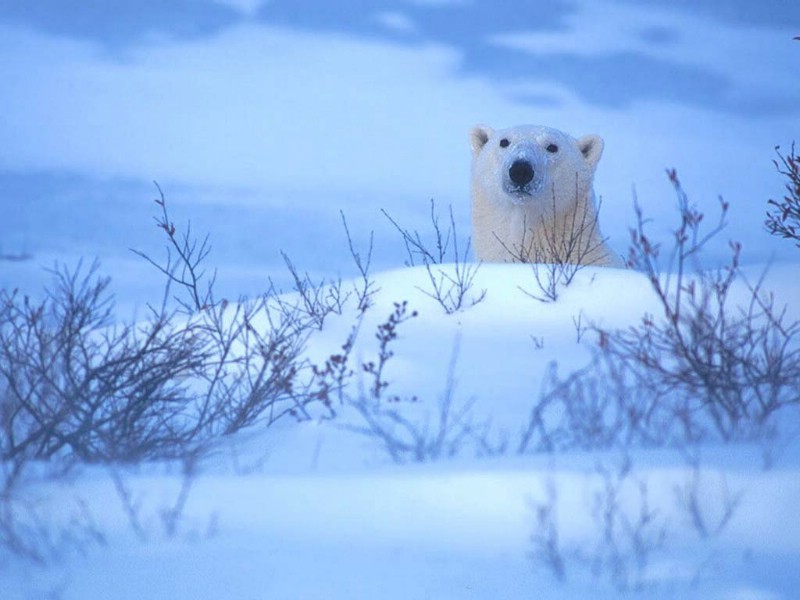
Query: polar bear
[532,197]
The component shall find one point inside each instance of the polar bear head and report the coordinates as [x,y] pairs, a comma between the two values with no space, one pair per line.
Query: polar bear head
[532,196]
[531,164]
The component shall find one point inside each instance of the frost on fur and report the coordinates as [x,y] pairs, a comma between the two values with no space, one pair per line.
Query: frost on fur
[532,197]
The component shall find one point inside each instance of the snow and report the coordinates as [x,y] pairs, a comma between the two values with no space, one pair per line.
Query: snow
[314,510]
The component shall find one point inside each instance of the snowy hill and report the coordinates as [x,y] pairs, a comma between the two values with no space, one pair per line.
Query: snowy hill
[321,508]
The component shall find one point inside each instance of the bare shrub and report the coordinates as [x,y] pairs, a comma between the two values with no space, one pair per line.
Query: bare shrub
[418,250]
[726,368]
[596,412]
[601,406]
[313,301]
[783,219]
[709,368]
[27,528]
[255,348]
[628,532]
[547,546]
[718,363]
[692,497]
[364,288]
[386,334]
[164,518]
[450,287]
[332,378]
[28,531]
[627,542]
[184,269]
[580,327]
[77,387]
[406,439]
[411,438]
[560,252]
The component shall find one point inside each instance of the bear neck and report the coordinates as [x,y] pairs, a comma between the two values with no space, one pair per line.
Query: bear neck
[517,233]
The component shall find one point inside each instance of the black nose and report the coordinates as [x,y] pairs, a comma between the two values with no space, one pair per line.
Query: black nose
[521,172]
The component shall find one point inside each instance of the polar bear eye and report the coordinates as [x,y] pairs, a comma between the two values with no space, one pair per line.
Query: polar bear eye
[552,148]
[504,143]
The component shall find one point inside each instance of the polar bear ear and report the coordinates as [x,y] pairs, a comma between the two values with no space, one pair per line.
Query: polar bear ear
[478,137]
[591,146]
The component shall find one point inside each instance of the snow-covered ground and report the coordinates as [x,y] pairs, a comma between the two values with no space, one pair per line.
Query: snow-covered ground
[316,510]
[257,115]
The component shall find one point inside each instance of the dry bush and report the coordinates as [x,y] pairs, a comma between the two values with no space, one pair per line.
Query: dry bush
[628,534]
[560,252]
[634,530]
[410,429]
[548,549]
[451,286]
[27,529]
[593,408]
[783,218]
[317,300]
[76,387]
[709,368]
[725,367]
[628,537]
[311,302]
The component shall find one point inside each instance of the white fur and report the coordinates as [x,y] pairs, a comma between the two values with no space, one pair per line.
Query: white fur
[536,221]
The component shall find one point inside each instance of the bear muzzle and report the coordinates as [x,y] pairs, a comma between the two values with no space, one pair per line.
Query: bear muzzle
[521,173]
[522,180]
